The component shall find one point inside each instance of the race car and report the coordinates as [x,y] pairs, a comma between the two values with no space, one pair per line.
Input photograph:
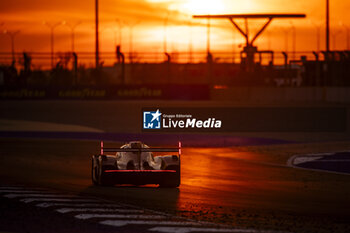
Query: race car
[135,163]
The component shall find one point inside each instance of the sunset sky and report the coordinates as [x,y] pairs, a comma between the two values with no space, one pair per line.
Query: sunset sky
[150,24]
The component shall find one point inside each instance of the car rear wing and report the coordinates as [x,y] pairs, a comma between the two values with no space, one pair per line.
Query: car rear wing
[176,149]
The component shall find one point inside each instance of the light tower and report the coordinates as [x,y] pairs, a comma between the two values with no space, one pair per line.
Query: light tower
[97,52]
[12,35]
[327,26]
[72,27]
[52,27]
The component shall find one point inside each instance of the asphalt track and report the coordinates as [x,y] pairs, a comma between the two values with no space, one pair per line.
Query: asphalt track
[239,187]
[244,187]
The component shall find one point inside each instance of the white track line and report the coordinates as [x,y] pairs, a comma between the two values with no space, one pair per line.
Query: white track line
[120,216]
[198,229]
[305,159]
[11,187]
[120,223]
[19,188]
[291,163]
[333,160]
[53,200]
[51,204]
[67,210]
[28,200]
[37,195]
[22,191]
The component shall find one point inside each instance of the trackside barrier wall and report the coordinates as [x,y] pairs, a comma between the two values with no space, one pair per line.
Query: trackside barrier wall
[282,94]
[126,92]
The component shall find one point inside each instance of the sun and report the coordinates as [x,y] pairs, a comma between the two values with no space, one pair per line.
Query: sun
[203,6]
[193,7]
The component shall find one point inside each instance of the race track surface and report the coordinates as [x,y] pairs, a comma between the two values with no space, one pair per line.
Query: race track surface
[231,182]
[240,187]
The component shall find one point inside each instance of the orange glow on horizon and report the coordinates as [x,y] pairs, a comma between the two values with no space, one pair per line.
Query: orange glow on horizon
[159,20]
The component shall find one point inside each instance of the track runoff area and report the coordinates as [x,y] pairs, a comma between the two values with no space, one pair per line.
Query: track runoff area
[336,162]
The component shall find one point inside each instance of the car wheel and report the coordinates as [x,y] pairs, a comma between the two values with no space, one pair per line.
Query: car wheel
[94,171]
[174,182]
[103,179]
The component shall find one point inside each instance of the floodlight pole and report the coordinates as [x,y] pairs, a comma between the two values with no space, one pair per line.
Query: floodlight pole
[72,27]
[190,47]
[165,39]
[97,60]
[334,38]
[12,35]
[208,35]
[327,26]
[294,43]
[286,41]
[131,28]
[52,30]
[347,37]
[318,37]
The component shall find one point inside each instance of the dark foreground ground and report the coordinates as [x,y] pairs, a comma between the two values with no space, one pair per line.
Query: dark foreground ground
[245,187]
[225,180]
